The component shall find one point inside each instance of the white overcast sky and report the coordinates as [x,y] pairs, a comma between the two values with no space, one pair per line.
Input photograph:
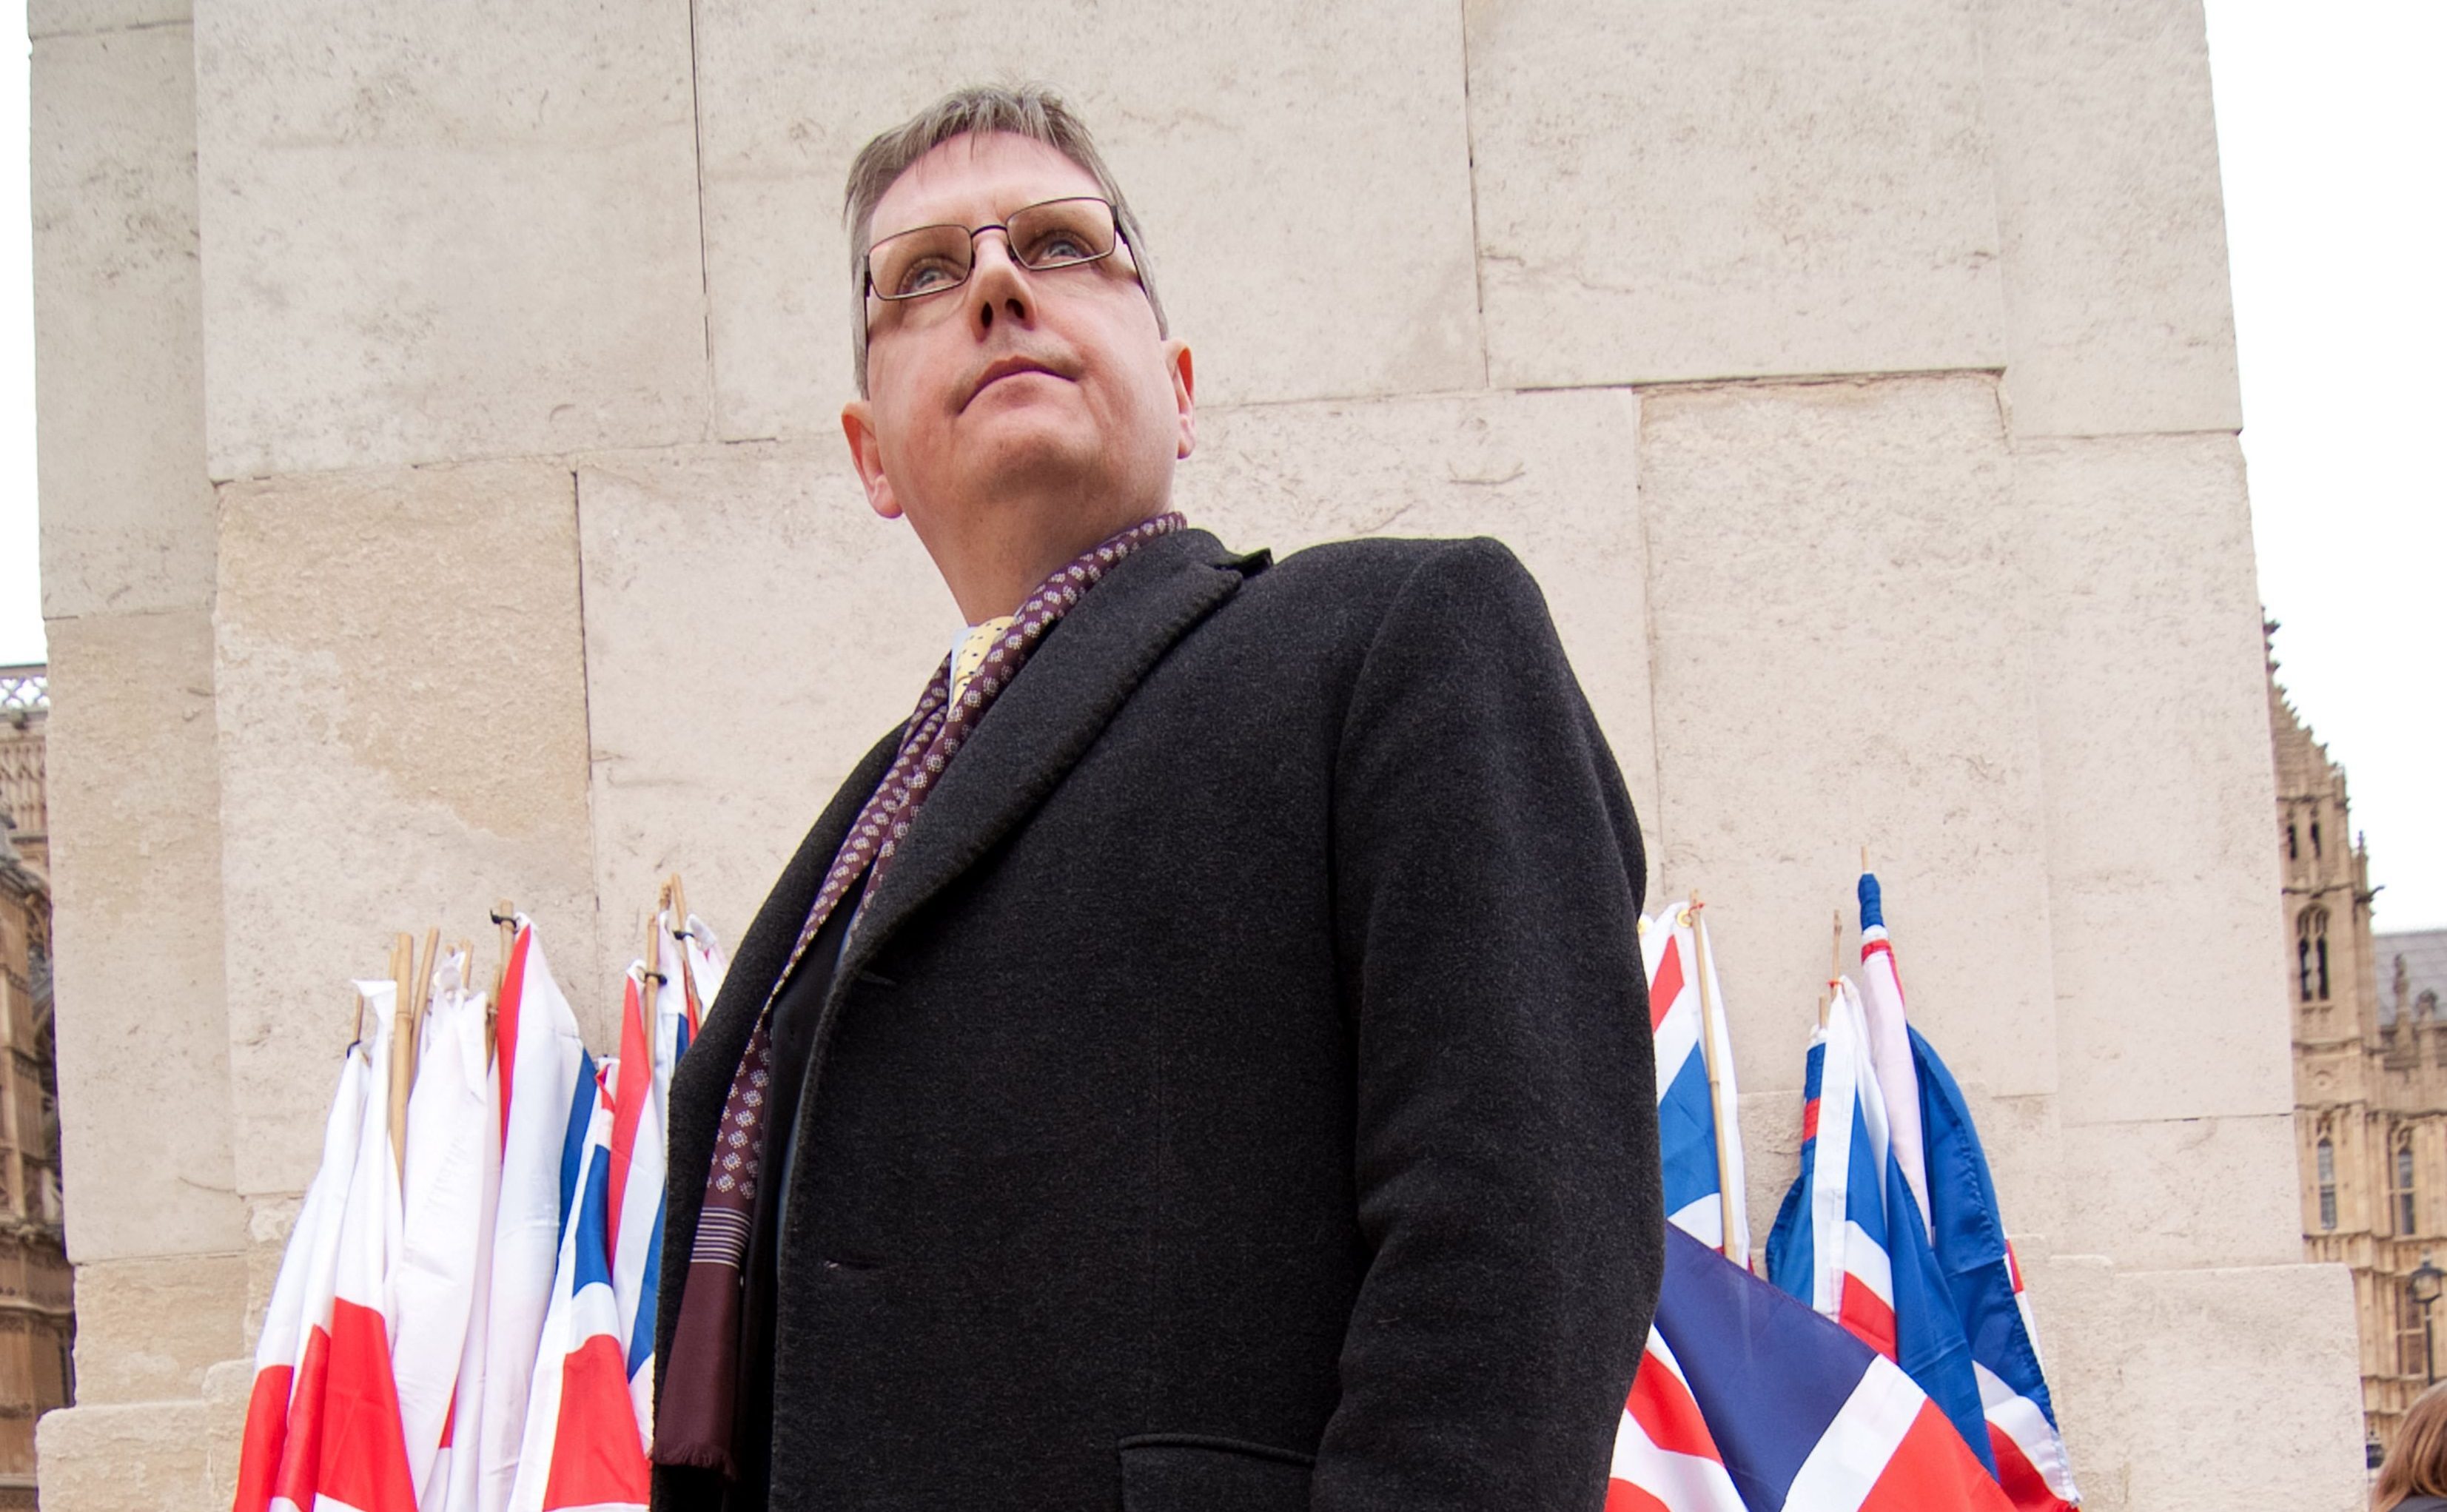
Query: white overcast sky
[2331,131]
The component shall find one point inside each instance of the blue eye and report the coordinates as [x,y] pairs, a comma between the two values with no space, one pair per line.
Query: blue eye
[927,275]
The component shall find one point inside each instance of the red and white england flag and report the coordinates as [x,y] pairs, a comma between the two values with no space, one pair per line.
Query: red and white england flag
[360,1461]
[301,1296]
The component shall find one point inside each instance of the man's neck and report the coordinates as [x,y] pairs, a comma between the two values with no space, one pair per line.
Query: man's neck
[991,575]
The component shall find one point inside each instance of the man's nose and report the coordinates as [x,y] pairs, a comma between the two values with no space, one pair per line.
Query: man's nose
[998,286]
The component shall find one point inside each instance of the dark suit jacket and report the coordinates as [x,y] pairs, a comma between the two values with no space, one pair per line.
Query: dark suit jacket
[1236,1096]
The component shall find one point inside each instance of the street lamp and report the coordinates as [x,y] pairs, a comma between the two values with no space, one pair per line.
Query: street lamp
[2422,1286]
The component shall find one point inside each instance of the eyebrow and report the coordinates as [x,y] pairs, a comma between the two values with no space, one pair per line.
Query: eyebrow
[875,231]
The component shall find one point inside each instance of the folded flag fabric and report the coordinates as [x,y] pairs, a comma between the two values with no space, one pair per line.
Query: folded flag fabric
[540,1065]
[707,963]
[642,1084]
[1882,1001]
[452,1154]
[1935,1143]
[361,1464]
[1691,1124]
[1747,1399]
[584,1449]
[301,1293]
[1849,1240]
[1986,1285]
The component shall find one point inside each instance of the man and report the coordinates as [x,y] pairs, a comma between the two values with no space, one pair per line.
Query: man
[1198,1064]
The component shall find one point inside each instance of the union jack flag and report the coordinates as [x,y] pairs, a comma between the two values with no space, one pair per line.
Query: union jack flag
[1746,1401]
[1691,1124]
[1849,1239]
[583,1451]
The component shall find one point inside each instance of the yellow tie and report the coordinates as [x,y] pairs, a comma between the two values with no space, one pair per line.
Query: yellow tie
[970,654]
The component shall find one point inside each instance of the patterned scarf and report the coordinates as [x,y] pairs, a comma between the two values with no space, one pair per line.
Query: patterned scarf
[701,1377]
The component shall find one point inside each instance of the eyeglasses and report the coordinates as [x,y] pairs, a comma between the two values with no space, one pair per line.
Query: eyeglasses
[936,259]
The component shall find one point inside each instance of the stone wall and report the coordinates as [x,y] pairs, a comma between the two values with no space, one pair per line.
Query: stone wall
[442,501]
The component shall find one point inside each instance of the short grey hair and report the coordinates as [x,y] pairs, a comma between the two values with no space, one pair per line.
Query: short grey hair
[1031,110]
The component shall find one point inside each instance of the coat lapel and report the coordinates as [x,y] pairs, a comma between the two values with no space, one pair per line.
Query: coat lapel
[1041,725]
[701,1082]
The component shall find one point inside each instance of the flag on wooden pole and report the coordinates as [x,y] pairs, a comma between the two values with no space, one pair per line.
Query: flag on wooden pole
[1699,1138]
[1848,1239]
[301,1295]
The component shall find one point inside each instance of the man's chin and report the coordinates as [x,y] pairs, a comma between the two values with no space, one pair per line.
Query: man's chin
[1032,443]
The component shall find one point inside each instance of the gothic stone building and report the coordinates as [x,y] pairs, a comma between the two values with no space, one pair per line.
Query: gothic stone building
[36,1325]
[2370,1077]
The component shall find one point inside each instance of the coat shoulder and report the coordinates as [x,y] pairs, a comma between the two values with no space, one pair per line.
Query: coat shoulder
[1386,563]
[1354,583]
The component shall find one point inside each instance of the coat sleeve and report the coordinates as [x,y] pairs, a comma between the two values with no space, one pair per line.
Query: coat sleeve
[1487,877]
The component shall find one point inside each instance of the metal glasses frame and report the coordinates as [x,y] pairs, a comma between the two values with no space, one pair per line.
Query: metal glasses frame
[1121,238]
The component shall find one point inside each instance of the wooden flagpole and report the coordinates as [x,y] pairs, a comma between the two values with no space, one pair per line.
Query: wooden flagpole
[403,1046]
[1708,1012]
[687,977]
[506,918]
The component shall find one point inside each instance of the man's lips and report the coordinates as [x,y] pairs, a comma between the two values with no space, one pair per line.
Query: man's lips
[1004,367]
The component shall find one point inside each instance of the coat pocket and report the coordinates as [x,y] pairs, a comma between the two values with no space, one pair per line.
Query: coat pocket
[1196,1472]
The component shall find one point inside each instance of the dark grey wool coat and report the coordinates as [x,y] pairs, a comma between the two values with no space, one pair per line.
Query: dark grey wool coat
[1237,1095]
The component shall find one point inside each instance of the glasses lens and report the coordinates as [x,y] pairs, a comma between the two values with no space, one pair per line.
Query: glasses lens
[1062,232]
[928,261]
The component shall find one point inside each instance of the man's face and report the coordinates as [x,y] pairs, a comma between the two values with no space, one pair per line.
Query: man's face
[1019,391]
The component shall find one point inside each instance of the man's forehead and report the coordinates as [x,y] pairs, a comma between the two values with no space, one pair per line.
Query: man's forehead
[976,177]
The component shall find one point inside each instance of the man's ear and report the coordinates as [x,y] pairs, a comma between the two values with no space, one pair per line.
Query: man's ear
[867,455]
[1184,394]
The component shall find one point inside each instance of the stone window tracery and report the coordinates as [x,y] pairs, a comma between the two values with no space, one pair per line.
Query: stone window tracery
[2311,955]
[2401,1169]
[2327,1159]
[2410,1340]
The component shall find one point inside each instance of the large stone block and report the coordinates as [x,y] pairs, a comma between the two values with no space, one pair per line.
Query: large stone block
[127,515]
[157,1456]
[1841,658]
[2142,1200]
[2163,884]
[1691,189]
[446,240]
[402,710]
[51,18]
[136,856]
[148,1330]
[1555,476]
[2117,317]
[751,628]
[1303,172]
[2201,1390]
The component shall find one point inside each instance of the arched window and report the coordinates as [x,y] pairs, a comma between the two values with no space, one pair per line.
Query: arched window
[2403,1186]
[2293,839]
[2410,1338]
[2315,837]
[2311,955]
[2327,1184]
